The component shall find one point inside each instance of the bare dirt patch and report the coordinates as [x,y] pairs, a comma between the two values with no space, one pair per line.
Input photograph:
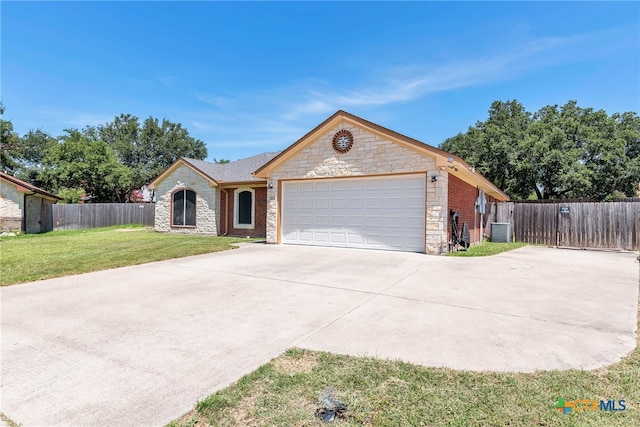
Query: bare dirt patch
[296,365]
[192,419]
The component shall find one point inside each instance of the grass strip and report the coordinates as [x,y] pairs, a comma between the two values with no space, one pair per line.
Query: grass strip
[285,392]
[29,257]
[487,249]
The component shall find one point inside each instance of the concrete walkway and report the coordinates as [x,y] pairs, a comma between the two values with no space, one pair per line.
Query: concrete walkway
[140,345]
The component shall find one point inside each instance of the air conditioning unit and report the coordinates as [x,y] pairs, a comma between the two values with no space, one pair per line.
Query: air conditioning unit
[501,232]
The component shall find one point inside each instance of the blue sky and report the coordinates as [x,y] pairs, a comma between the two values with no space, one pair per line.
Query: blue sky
[249,77]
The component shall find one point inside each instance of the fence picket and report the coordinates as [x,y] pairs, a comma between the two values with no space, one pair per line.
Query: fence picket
[92,215]
[606,225]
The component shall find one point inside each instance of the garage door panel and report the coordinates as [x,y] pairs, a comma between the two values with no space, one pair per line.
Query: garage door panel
[374,221]
[414,202]
[305,220]
[355,202]
[305,236]
[338,238]
[320,186]
[357,240]
[374,202]
[374,240]
[305,203]
[339,185]
[374,185]
[321,203]
[376,213]
[338,220]
[340,203]
[321,236]
[354,185]
[394,203]
[355,221]
[321,220]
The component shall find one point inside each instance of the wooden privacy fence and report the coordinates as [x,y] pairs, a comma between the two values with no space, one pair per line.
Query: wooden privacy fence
[606,225]
[92,215]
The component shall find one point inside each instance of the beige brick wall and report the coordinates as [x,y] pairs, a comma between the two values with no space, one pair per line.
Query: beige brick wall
[371,154]
[185,177]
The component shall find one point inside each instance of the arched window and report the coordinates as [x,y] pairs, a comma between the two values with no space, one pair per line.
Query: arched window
[244,202]
[183,204]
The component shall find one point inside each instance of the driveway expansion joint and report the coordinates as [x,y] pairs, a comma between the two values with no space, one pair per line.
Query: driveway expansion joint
[135,315]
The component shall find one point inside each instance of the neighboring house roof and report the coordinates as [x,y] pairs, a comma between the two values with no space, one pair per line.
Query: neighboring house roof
[25,187]
[221,173]
[453,164]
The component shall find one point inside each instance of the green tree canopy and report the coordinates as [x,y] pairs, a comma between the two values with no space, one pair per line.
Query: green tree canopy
[148,149]
[126,153]
[557,152]
[30,153]
[8,144]
[80,161]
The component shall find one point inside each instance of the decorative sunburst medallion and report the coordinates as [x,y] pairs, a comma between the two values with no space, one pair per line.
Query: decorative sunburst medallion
[342,141]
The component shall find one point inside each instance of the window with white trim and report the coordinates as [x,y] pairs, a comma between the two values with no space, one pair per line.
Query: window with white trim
[244,208]
[183,205]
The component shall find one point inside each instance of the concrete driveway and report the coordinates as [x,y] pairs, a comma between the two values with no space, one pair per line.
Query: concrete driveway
[140,345]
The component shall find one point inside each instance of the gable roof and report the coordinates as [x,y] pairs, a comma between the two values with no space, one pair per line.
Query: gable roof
[25,187]
[453,164]
[220,173]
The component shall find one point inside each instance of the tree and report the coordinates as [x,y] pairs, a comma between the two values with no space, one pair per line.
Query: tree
[80,161]
[221,161]
[558,152]
[71,195]
[493,147]
[30,153]
[554,143]
[149,149]
[8,143]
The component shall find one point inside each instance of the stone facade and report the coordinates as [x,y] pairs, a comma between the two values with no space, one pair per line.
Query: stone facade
[22,211]
[34,214]
[371,154]
[181,178]
[437,241]
[11,207]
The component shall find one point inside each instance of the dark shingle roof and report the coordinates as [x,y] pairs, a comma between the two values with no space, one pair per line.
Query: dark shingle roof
[238,171]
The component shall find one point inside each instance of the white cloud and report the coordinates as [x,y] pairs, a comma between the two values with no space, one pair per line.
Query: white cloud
[411,82]
[279,116]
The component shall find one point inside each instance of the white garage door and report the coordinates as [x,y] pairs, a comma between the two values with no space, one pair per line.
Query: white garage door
[373,213]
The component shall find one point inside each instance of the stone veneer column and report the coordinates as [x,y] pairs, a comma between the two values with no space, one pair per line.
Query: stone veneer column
[436,214]
[272,214]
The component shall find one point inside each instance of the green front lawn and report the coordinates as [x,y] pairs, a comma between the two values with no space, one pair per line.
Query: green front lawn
[286,392]
[488,248]
[29,257]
